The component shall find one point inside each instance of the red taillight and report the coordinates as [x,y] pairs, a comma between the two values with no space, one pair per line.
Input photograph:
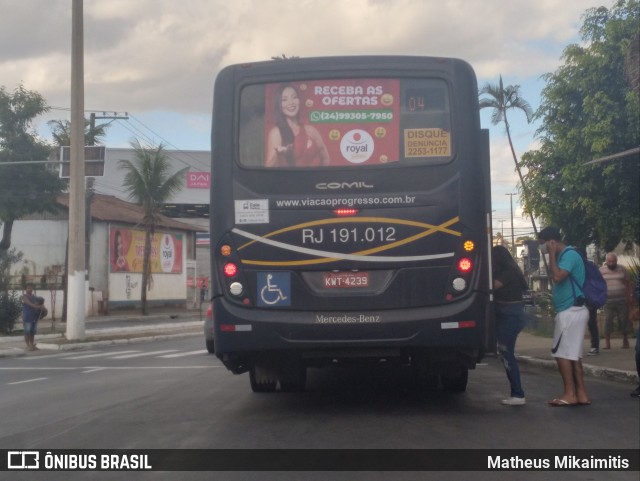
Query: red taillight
[465,265]
[210,312]
[230,269]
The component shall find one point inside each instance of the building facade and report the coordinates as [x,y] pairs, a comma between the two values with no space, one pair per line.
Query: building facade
[180,265]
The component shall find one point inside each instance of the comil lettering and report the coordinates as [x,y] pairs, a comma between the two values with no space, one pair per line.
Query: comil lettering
[343,185]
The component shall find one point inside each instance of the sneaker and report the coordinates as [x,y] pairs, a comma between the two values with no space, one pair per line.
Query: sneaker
[593,351]
[514,401]
[636,393]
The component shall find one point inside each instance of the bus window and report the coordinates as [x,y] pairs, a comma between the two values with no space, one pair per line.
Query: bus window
[345,123]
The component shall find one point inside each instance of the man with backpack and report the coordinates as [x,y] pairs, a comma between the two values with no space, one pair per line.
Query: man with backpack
[567,270]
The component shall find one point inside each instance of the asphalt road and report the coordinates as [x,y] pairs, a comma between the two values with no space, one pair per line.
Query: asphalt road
[171,394]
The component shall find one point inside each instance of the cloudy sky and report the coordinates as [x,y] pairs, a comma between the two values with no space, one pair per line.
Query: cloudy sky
[156,60]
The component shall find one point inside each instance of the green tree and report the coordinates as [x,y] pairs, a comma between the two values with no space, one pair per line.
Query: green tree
[10,301]
[27,187]
[150,183]
[61,132]
[589,110]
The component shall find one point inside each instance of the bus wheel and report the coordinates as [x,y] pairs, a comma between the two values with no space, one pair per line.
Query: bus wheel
[294,379]
[427,383]
[262,379]
[456,382]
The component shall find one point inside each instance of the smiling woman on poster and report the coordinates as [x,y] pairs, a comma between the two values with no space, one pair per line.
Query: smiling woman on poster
[119,261]
[290,142]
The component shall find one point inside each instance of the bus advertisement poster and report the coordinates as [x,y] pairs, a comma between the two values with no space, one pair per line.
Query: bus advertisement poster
[357,120]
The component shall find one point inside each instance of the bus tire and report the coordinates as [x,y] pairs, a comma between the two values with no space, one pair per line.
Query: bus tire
[294,380]
[456,382]
[261,379]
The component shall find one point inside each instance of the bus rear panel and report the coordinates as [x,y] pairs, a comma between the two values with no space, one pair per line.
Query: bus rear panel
[350,213]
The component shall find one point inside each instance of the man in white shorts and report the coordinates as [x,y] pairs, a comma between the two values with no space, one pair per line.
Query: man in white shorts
[572,316]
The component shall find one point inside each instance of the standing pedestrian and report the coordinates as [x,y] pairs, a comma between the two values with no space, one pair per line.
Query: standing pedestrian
[508,285]
[572,315]
[618,290]
[31,309]
[636,392]
[593,332]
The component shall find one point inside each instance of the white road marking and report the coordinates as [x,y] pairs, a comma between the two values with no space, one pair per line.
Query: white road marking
[132,368]
[50,356]
[28,380]
[184,354]
[100,354]
[47,368]
[93,369]
[141,354]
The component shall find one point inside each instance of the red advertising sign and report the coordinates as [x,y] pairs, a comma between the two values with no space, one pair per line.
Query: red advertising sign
[126,251]
[198,180]
[332,122]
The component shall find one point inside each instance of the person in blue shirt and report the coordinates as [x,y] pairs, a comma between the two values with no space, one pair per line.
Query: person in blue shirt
[31,310]
[572,315]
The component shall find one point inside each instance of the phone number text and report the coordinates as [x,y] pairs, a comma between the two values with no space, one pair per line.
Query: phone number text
[320,116]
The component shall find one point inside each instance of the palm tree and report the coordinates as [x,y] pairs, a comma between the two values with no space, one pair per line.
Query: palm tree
[149,182]
[61,132]
[502,99]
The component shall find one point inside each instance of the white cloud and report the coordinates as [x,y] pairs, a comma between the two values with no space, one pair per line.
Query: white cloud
[148,56]
[153,54]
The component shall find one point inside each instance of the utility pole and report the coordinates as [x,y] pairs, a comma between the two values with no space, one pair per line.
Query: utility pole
[76,276]
[513,242]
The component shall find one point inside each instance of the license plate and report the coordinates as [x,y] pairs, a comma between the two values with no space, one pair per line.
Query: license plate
[346,279]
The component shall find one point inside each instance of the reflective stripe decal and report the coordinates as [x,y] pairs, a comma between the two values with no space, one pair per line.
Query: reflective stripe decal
[365,255]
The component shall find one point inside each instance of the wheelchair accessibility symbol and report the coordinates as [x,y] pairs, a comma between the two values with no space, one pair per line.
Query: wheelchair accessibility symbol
[274,289]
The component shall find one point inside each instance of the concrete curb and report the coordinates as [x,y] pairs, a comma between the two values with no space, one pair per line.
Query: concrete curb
[12,352]
[592,371]
[194,328]
[114,330]
[109,342]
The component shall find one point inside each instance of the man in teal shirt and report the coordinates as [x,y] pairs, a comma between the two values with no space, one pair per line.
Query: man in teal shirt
[566,269]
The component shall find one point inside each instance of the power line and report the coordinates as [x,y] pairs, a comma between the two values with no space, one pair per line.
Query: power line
[166,141]
[140,133]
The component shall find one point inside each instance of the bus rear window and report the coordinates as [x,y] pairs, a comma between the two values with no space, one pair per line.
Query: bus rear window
[345,123]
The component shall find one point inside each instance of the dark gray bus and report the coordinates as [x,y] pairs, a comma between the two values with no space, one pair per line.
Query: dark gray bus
[350,218]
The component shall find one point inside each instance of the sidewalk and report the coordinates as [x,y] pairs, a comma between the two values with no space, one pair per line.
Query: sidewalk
[119,327]
[128,327]
[615,364]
